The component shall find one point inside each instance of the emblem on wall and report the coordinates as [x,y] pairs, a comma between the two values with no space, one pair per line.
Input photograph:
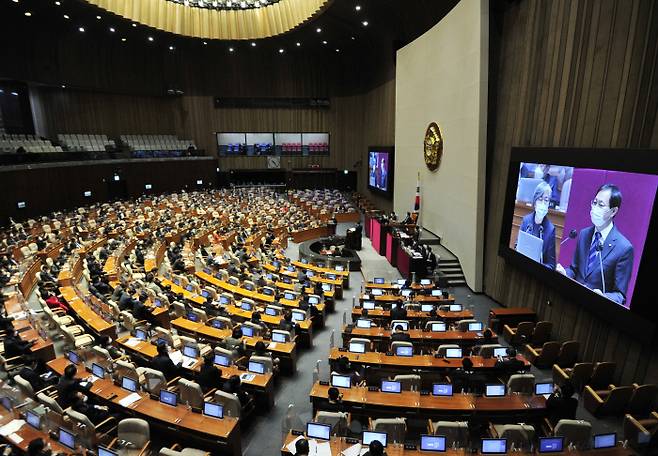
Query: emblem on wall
[433,147]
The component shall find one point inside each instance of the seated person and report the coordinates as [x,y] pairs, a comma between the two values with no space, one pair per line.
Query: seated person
[286,323]
[163,363]
[234,342]
[54,303]
[375,449]
[302,447]
[209,377]
[106,343]
[561,404]
[95,413]
[510,362]
[343,367]
[334,401]
[261,350]
[465,379]
[14,346]
[398,312]
[234,386]
[68,388]
[400,335]
[38,447]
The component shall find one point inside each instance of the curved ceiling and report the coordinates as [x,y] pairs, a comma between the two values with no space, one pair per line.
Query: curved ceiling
[245,24]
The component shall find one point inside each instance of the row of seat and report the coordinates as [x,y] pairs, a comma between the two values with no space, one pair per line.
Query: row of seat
[85,142]
[28,145]
[156,142]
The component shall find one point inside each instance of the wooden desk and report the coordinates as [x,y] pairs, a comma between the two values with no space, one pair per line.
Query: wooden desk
[501,316]
[361,402]
[311,233]
[43,348]
[209,433]
[380,364]
[415,317]
[91,319]
[381,337]
[286,352]
[29,278]
[27,433]
[338,444]
[305,327]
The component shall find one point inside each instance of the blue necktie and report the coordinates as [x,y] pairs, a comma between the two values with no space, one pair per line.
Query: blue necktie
[592,260]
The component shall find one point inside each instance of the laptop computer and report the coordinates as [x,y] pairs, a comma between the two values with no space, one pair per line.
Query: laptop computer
[438,327]
[222,360]
[168,397]
[389,386]
[67,438]
[404,350]
[357,347]
[454,353]
[103,451]
[318,431]
[129,384]
[544,389]
[369,436]
[341,381]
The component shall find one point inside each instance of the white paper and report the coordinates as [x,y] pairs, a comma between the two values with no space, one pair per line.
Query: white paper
[323,449]
[272,346]
[11,427]
[132,342]
[188,362]
[176,356]
[129,399]
[15,438]
[247,377]
[291,445]
[354,450]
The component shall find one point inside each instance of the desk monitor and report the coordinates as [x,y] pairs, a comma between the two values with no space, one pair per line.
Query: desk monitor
[455,308]
[248,331]
[442,389]
[217,324]
[437,293]
[313,300]
[176,280]
[269,276]
[33,419]
[318,431]
[425,282]
[141,334]
[169,398]
[129,384]
[341,381]
[102,451]
[73,357]
[404,350]
[205,293]
[543,388]
[377,292]
[158,304]
[66,438]
[605,441]
[310,274]
[289,296]
[222,360]
[218,276]
[426,307]
[268,291]
[435,443]
[286,279]
[213,410]
[370,305]
[97,371]
[477,326]
[192,317]
[245,306]
[404,324]
[223,300]
[494,446]
[499,352]
[330,276]
[454,353]
[276,264]
[298,315]
[494,390]
[369,436]
[406,292]
[438,327]
[378,280]
[190,351]
[363,323]
[189,287]
[270,311]
[340,268]
[278,337]
[256,367]
[304,260]
[389,386]
[326,287]
[551,444]
[6,403]
[291,269]
[162,341]
[357,347]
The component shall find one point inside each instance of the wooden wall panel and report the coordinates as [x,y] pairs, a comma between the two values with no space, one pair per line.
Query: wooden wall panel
[570,73]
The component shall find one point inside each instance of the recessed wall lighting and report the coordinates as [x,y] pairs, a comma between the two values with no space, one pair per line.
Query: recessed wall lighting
[63,86]
[318,29]
[150,38]
[124,40]
[171,48]
[66,16]
[81,29]
[357,7]
[112,29]
[324,41]
[253,44]
[364,23]
[28,14]
[281,51]
[231,49]
[58,3]
[337,50]
[98,17]
[298,43]
[134,25]
[205,43]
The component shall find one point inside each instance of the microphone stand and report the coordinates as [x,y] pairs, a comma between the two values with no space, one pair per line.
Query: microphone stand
[599,248]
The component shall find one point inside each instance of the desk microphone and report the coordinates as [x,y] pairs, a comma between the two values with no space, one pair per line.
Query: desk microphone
[599,248]
[572,235]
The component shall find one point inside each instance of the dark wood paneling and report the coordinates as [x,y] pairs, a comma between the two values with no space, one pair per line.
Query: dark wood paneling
[570,73]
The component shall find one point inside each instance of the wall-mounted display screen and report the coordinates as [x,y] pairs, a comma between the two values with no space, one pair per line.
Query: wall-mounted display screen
[380,169]
[266,143]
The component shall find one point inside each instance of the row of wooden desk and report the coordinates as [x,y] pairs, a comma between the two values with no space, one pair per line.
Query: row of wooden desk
[214,435]
[380,337]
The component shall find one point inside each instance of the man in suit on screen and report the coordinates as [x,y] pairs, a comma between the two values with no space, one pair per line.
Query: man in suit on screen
[603,244]
[383,175]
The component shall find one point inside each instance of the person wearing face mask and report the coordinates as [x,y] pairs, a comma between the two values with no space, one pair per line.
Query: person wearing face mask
[538,224]
[604,244]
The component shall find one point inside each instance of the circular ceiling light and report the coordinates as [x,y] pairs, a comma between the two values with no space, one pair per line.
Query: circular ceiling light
[226,4]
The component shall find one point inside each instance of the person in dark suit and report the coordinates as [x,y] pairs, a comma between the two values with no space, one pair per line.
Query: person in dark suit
[538,224]
[209,376]
[163,363]
[376,448]
[383,175]
[603,244]
[68,387]
[399,335]
[561,404]
[510,363]
[431,260]
[399,312]
[14,346]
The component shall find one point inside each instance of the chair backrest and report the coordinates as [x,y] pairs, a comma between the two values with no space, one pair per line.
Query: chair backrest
[580,375]
[396,428]
[617,400]
[412,306]
[400,343]
[257,328]
[154,380]
[190,393]
[568,353]
[541,333]
[365,342]
[519,435]
[602,375]
[549,353]
[24,386]
[576,432]
[126,369]
[230,403]
[265,360]
[643,400]
[428,324]
[81,420]
[134,430]
[50,402]
[228,353]
[455,432]
[523,331]
[179,309]
[201,315]
[521,383]
[408,382]
[227,323]
[285,334]
[400,322]
[337,421]
[441,351]
[462,325]
[487,350]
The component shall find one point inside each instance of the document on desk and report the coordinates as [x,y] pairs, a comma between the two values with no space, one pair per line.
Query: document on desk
[11,427]
[176,356]
[291,445]
[319,448]
[354,450]
[247,377]
[15,438]
[272,346]
[129,399]
[132,342]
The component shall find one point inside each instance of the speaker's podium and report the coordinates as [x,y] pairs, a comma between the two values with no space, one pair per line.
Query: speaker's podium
[353,239]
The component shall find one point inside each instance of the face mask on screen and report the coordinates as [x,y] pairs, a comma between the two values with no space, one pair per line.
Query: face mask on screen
[541,209]
[599,216]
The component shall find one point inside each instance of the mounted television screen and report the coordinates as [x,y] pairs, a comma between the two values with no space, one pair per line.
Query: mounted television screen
[380,169]
[583,221]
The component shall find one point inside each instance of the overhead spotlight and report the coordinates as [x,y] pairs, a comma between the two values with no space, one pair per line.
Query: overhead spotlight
[231,49]
[353,38]
[324,41]
[134,25]
[337,50]
[28,14]
[112,29]
[171,48]
[15,1]
[357,7]
[205,43]
[58,3]
[81,29]
[15,94]
[124,40]
[150,38]
[253,44]
[318,29]
[98,17]
[298,43]
[364,23]
[281,51]
[63,86]
[66,16]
